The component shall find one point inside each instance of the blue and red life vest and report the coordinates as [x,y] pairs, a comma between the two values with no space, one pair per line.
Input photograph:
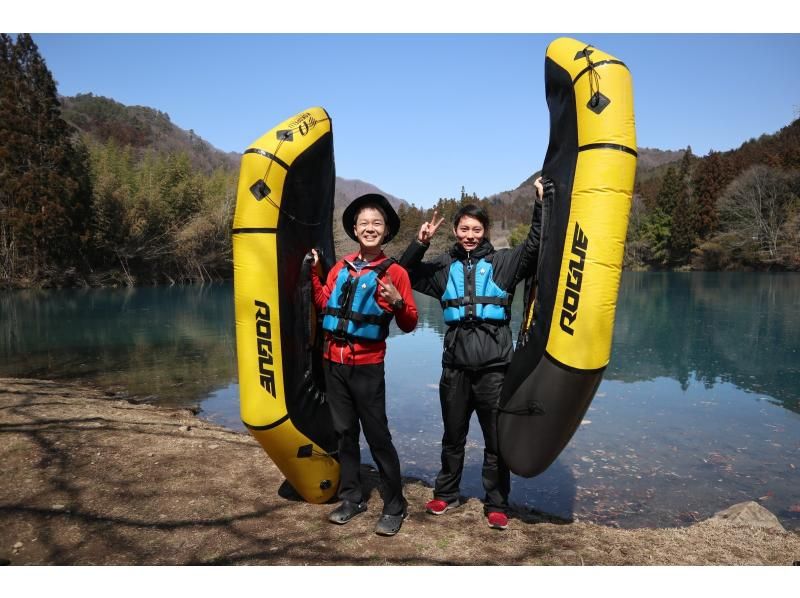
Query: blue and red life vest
[352,312]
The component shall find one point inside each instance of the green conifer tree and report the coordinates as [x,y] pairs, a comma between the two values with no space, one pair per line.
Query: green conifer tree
[657,226]
[45,190]
[684,220]
[709,181]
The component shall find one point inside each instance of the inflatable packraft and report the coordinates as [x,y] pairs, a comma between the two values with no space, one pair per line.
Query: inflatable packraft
[284,207]
[565,341]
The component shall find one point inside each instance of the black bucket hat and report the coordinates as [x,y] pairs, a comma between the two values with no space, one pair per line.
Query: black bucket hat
[349,215]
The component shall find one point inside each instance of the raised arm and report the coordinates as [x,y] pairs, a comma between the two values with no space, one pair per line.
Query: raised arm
[425,276]
[530,247]
[514,265]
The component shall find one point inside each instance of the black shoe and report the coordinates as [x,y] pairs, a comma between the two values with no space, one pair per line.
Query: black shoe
[346,511]
[389,525]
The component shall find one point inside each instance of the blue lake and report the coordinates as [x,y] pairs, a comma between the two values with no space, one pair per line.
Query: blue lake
[699,408]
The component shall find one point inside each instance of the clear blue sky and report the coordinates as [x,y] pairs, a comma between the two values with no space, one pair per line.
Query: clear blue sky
[420,115]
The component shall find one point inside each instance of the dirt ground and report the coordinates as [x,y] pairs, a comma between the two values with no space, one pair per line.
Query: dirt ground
[93,479]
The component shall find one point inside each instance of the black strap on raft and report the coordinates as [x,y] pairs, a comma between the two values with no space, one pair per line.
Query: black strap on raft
[307,301]
[344,313]
[313,383]
[531,407]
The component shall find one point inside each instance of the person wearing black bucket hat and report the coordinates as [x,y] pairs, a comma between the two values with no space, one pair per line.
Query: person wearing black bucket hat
[391,219]
[362,293]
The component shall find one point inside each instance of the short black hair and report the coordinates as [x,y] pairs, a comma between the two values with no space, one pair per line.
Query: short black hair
[472,211]
[375,206]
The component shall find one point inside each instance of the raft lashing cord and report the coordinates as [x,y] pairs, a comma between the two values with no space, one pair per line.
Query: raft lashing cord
[594,79]
[260,190]
[564,343]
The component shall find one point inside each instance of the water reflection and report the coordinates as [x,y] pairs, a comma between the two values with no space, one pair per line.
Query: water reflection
[174,344]
[698,408]
[711,327]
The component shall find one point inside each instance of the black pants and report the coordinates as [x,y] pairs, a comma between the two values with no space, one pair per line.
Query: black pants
[461,392]
[357,395]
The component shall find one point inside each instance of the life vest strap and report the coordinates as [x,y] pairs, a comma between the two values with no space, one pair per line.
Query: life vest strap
[358,318]
[462,301]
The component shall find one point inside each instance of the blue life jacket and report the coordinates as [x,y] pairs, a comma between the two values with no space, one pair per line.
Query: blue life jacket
[472,295]
[352,312]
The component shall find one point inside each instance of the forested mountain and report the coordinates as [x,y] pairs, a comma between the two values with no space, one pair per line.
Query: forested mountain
[93,192]
[141,128]
[738,209]
[140,131]
[103,120]
[734,210]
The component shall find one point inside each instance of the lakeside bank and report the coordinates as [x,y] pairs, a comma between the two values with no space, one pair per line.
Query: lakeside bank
[94,479]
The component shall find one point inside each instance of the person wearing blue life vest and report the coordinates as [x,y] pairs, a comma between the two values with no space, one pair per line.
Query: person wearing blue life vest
[361,295]
[475,284]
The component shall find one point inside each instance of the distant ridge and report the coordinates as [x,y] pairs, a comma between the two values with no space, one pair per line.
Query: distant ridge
[348,189]
[143,129]
[649,161]
[653,158]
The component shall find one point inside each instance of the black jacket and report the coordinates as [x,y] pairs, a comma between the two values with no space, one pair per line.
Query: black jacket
[470,345]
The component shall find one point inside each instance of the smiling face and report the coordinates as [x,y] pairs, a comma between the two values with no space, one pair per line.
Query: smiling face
[370,228]
[469,232]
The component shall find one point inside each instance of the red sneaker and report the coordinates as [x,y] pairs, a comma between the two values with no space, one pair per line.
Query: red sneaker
[497,520]
[437,507]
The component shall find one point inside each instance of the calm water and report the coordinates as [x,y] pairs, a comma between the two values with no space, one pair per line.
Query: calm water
[699,409]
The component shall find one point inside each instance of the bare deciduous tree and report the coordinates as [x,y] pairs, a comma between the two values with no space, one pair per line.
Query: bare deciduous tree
[755,208]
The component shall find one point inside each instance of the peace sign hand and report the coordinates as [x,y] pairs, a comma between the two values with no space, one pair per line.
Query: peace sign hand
[388,291]
[428,229]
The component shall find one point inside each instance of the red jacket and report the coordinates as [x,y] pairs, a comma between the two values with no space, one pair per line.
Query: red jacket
[361,352]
